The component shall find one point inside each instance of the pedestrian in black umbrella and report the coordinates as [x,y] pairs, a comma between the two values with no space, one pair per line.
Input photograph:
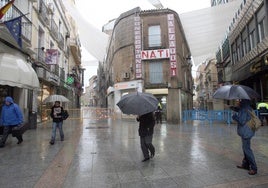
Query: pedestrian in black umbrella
[146,130]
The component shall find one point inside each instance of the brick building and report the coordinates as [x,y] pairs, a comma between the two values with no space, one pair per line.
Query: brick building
[148,52]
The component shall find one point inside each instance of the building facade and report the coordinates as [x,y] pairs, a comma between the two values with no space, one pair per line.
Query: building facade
[206,84]
[46,53]
[242,58]
[219,2]
[90,97]
[148,52]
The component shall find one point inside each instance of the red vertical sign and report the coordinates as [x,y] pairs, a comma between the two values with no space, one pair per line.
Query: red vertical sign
[172,45]
[137,36]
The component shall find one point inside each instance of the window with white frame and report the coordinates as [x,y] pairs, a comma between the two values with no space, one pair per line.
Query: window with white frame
[252,34]
[156,72]
[154,36]
[244,42]
[261,31]
[261,23]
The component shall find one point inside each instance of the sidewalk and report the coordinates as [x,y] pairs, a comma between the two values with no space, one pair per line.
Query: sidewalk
[107,154]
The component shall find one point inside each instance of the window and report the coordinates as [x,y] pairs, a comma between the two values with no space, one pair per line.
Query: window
[154,35]
[261,23]
[252,40]
[244,42]
[238,43]
[156,72]
[261,30]
[252,34]
[234,54]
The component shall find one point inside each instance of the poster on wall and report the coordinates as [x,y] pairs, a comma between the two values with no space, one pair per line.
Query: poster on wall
[52,56]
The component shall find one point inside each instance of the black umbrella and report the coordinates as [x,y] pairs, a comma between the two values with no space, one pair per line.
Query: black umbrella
[230,92]
[138,103]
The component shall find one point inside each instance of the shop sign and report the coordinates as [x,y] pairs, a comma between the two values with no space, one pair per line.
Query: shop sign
[70,80]
[155,54]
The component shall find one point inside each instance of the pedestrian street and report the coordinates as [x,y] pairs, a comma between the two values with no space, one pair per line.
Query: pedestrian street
[106,153]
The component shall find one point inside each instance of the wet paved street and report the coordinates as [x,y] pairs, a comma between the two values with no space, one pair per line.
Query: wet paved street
[106,153]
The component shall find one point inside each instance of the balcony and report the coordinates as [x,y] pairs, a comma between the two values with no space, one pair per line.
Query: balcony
[44,13]
[54,30]
[26,27]
[75,50]
[61,41]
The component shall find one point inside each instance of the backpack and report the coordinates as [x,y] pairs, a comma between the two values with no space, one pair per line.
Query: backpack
[254,123]
[65,114]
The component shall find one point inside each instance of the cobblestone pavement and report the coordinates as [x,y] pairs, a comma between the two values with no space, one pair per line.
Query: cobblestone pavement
[107,154]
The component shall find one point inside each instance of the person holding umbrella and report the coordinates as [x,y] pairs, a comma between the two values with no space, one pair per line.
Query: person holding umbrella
[146,130]
[246,133]
[56,115]
[143,105]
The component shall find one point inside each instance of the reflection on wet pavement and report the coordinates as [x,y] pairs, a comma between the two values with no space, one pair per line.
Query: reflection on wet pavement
[106,153]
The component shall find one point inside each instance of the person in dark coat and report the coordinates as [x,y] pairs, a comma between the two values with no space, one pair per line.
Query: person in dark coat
[11,116]
[146,130]
[246,133]
[56,115]
[158,114]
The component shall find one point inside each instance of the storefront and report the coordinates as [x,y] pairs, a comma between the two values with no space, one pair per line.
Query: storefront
[19,80]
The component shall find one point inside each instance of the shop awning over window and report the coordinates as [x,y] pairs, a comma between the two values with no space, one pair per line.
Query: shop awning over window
[16,72]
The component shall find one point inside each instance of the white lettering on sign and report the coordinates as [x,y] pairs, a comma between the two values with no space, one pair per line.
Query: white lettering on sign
[137,36]
[155,54]
[172,44]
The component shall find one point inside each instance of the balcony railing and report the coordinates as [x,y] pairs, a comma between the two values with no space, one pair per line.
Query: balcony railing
[43,13]
[61,41]
[54,30]
[26,25]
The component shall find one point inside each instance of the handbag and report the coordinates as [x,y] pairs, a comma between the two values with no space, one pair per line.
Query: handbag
[18,130]
[254,123]
[65,114]
[1,129]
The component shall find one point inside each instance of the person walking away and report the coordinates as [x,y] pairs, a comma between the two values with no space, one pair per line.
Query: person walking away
[11,116]
[262,108]
[56,115]
[246,133]
[146,130]
[158,114]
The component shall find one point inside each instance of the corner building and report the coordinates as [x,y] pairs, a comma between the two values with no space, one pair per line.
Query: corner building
[148,52]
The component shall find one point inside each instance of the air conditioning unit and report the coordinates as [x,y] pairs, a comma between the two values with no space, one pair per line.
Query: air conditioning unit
[126,75]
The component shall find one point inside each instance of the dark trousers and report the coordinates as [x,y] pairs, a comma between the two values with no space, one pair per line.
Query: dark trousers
[249,159]
[158,117]
[6,132]
[146,145]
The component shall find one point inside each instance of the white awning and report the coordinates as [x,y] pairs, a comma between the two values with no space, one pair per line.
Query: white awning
[16,72]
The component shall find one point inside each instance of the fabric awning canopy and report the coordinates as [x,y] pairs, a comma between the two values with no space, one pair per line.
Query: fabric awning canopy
[16,72]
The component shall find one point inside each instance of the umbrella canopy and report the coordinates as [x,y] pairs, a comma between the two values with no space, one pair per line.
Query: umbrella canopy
[230,92]
[138,103]
[53,98]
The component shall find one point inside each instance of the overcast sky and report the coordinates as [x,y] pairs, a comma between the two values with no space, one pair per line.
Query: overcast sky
[99,12]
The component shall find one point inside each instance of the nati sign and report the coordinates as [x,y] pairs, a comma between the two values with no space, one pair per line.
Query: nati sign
[155,54]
